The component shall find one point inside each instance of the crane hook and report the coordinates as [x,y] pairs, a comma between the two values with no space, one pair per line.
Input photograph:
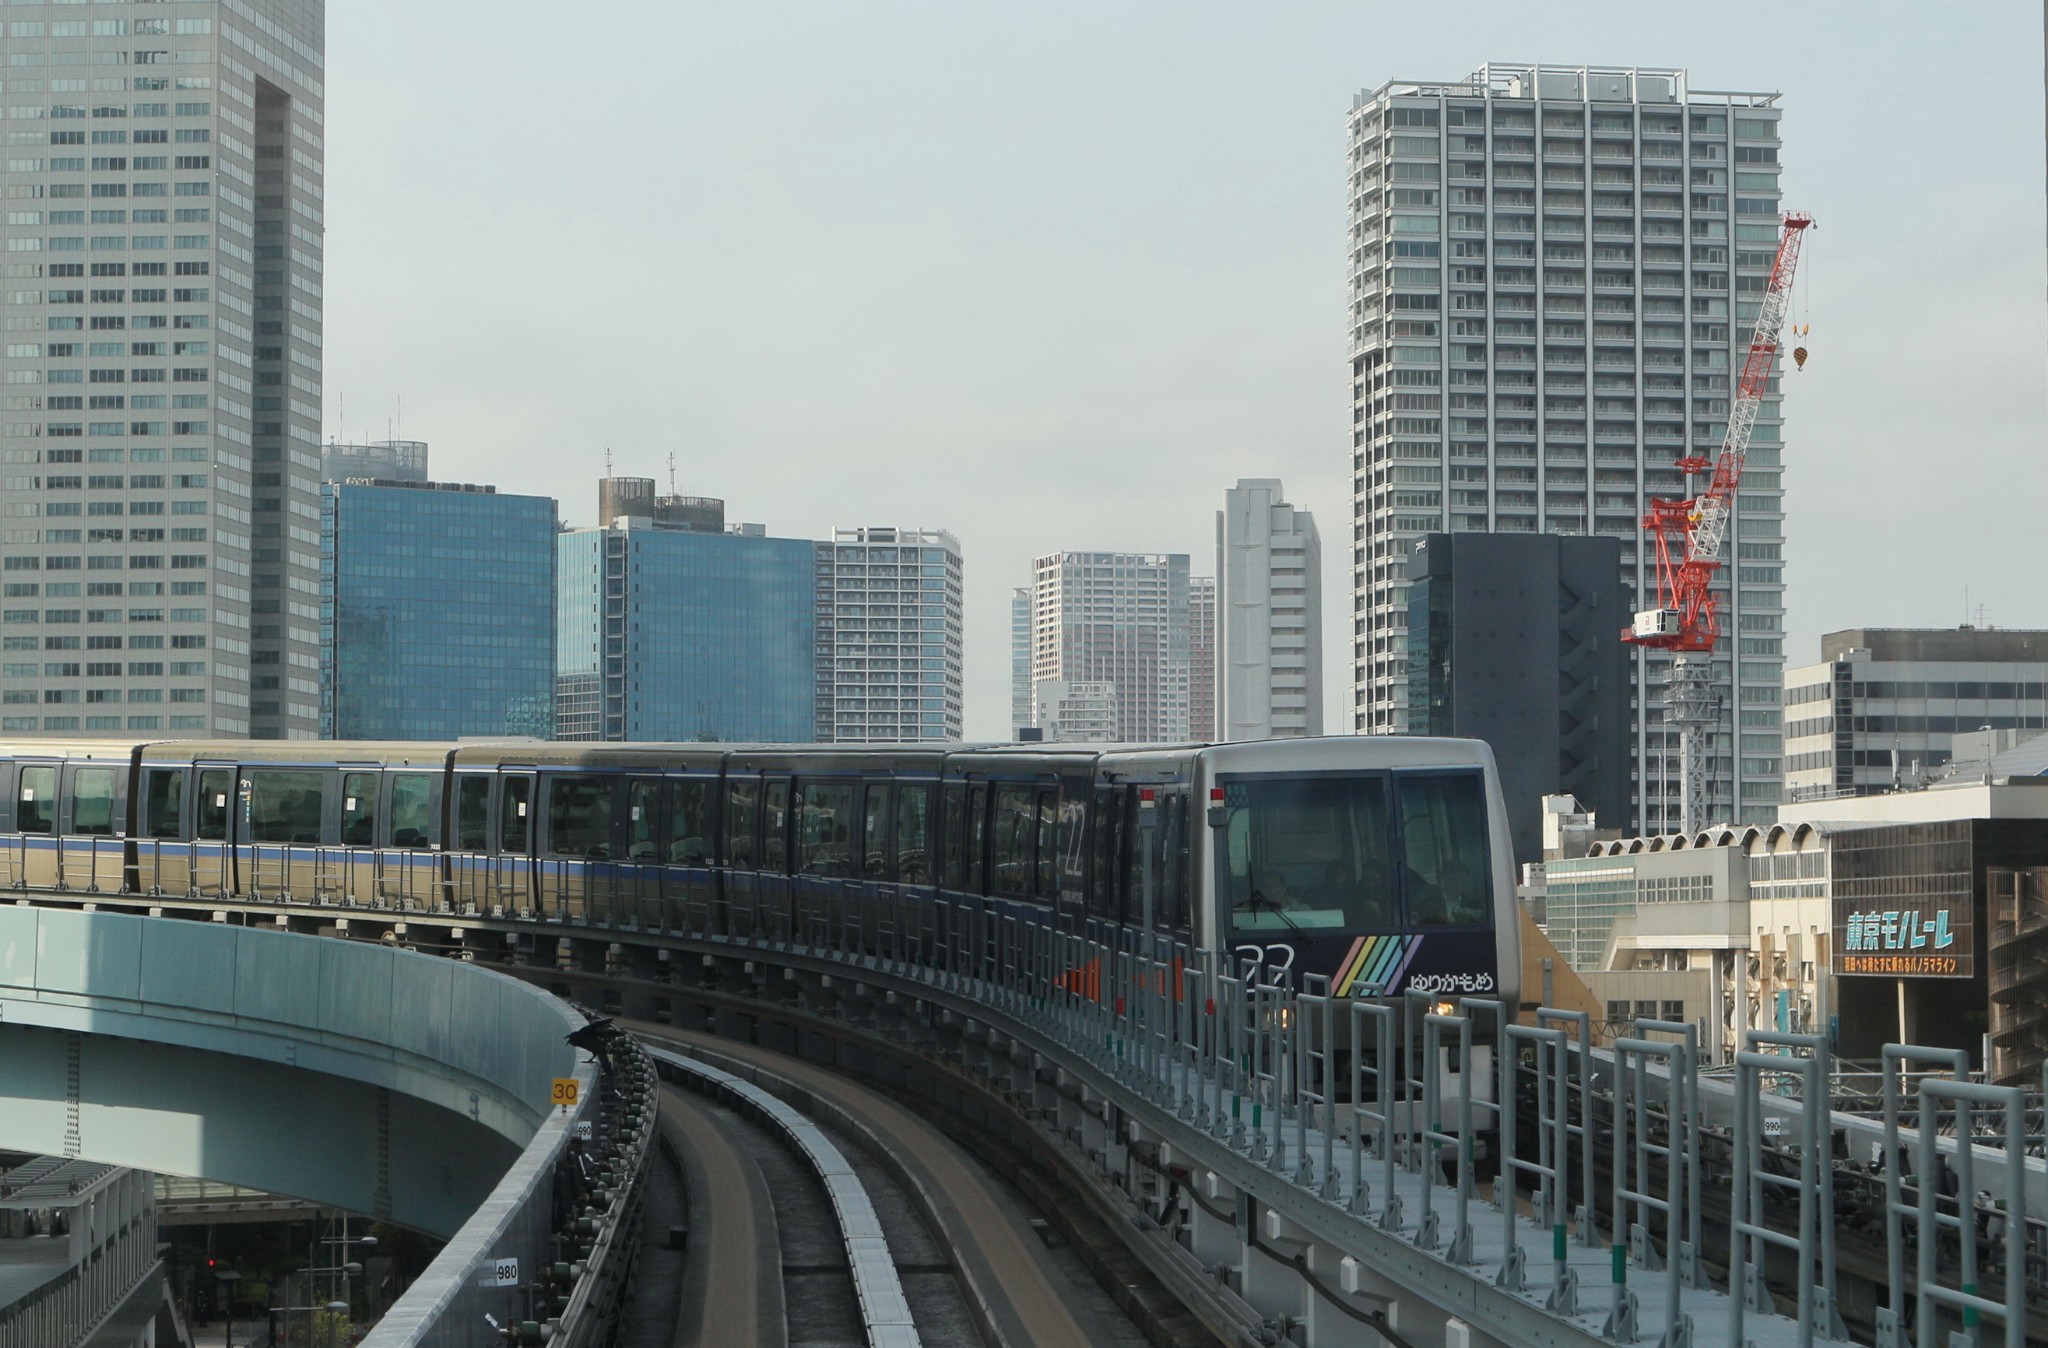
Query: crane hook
[1799,352]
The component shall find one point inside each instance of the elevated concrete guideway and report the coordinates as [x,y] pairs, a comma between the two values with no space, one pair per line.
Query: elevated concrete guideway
[345,1073]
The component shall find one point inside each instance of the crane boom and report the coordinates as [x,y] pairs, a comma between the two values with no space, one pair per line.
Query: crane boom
[1688,535]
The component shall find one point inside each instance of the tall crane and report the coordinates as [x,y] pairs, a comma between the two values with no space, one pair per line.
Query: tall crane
[1688,535]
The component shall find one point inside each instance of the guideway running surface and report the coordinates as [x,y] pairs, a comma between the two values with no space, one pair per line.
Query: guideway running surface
[1006,1265]
[732,1278]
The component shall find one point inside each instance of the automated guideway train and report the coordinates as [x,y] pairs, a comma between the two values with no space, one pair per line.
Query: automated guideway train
[1381,865]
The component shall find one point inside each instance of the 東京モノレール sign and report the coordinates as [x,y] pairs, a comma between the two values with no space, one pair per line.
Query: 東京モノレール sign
[1926,942]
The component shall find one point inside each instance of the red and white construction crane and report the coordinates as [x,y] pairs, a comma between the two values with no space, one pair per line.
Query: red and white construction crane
[1688,535]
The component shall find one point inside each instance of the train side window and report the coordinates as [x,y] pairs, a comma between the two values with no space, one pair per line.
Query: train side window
[210,811]
[775,826]
[689,824]
[580,817]
[644,821]
[1015,821]
[953,835]
[473,813]
[284,806]
[874,834]
[163,800]
[977,840]
[92,802]
[37,810]
[1444,846]
[358,809]
[824,829]
[515,816]
[740,821]
[412,810]
[913,808]
[1048,855]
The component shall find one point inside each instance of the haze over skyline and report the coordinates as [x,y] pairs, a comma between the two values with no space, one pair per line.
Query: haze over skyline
[1055,276]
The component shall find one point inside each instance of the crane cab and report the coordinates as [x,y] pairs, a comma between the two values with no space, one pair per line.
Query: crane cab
[1652,623]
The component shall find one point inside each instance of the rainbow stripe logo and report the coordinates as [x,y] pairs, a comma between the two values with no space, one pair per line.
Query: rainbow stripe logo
[1374,965]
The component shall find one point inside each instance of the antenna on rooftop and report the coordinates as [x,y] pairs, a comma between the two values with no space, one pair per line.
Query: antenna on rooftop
[671,472]
[607,460]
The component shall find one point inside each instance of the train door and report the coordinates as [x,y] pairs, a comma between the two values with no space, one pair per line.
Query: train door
[349,871]
[579,858]
[912,838]
[469,844]
[512,861]
[741,856]
[688,883]
[213,815]
[877,853]
[644,820]
[35,816]
[407,860]
[163,828]
[776,895]
[91,848]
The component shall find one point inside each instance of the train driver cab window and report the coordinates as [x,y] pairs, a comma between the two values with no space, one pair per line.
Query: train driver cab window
[412,810]
[284,807]
[163,799]
[92,802]
[473,813]
[741,808]
[1305,852]
[210,811]
[515,816]
[36,801]
[358,809]
[580,817]
[1444,848]
[643,821]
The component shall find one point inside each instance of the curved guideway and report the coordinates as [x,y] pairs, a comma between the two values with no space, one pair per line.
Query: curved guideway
[1022,1294]
[732,1290]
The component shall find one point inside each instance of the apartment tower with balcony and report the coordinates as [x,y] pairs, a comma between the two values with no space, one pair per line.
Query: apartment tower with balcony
[1554,274]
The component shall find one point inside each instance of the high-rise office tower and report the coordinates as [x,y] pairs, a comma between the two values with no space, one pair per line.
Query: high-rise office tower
[1020,659]
[160,507]
[673,625]
[889,636]
[1269,660]
[1117,618]
[437,611]
[1554,271]
[1202,658]
[1883,707]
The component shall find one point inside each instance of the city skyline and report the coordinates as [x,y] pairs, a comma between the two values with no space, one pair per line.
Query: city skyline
[1018,332]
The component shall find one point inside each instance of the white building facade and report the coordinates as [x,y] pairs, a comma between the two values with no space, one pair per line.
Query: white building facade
[1883,707]
[1122,619]
[889,636]
[1269,664]
[1554,274]
[160,505]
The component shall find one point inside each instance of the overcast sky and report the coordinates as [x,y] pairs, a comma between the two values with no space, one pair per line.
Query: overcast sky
[1054,275]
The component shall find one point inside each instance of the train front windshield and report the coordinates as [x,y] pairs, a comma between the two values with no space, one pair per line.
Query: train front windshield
[1354,852]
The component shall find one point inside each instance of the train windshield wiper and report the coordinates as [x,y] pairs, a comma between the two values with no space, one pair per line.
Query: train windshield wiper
[1259,901]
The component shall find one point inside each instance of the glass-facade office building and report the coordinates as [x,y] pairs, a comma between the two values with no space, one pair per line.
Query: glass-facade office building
[675,634]
[437,611]
[1554,273]
[162,248]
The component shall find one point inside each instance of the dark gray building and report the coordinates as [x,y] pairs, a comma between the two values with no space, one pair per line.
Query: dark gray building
[1515,639]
